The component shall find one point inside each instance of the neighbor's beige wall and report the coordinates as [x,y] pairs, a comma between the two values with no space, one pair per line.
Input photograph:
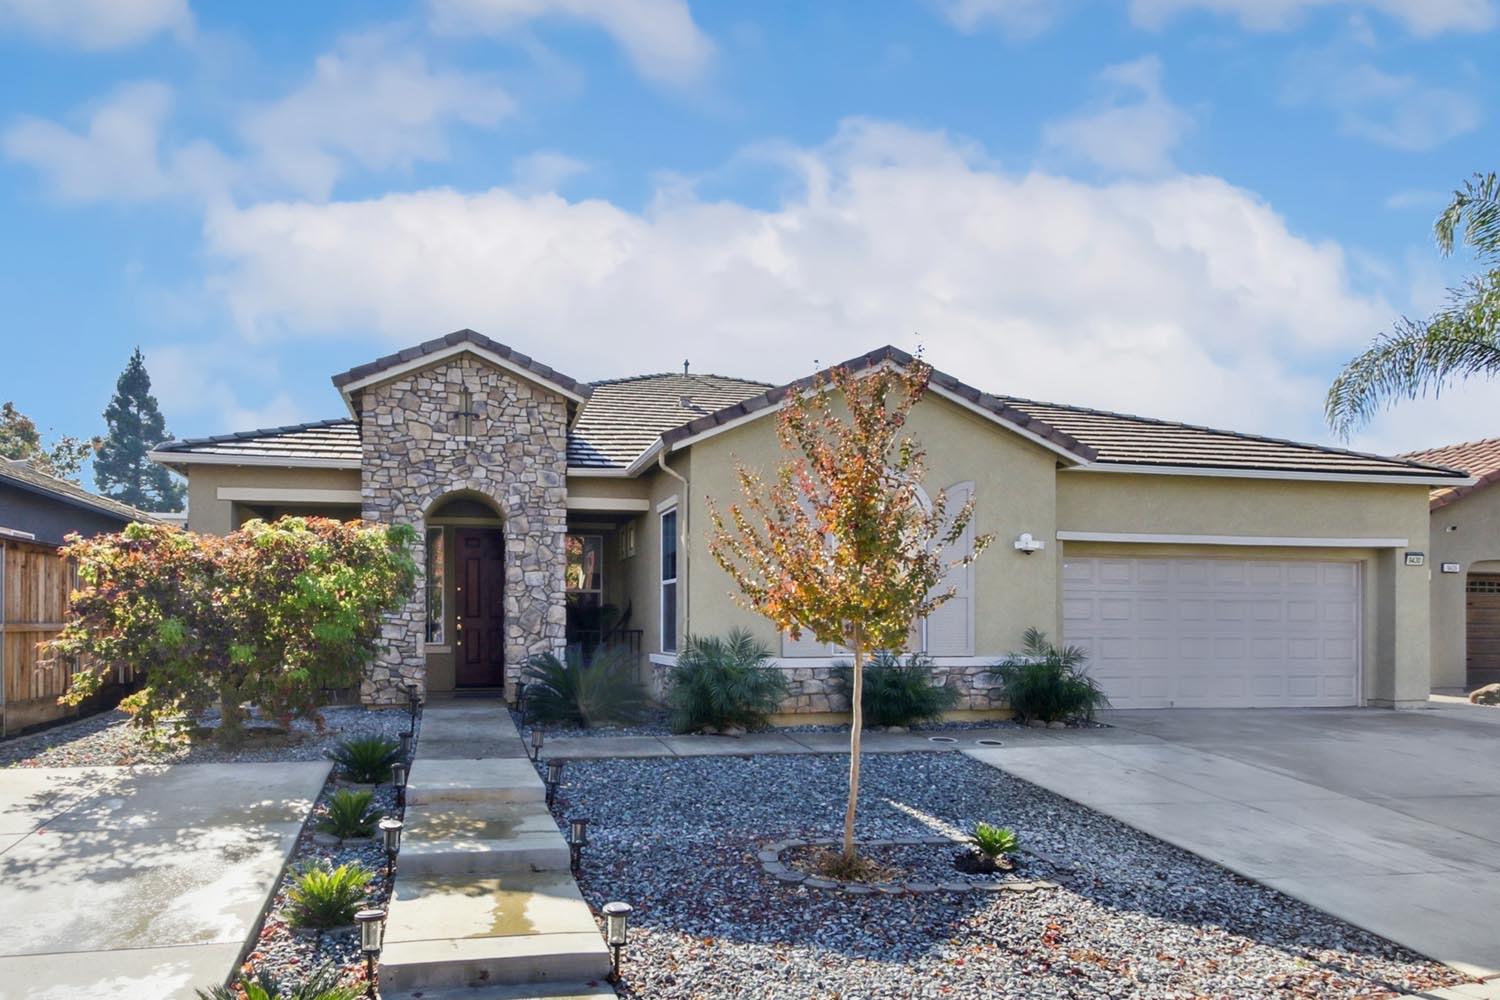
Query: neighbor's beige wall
[1014,492]
[1476,540]
[207,513]
[1397,653]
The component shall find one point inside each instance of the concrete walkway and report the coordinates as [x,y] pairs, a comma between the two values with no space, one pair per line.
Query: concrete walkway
[483,902]
[1389,820]
[140,881]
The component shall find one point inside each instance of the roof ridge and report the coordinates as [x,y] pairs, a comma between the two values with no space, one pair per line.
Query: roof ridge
[1239,435]
[177,444]
[654,375]
[1449,447]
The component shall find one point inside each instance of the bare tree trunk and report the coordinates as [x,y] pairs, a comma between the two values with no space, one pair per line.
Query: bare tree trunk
[856,726]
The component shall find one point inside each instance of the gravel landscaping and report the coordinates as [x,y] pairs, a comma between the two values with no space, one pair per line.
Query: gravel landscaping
[679,838]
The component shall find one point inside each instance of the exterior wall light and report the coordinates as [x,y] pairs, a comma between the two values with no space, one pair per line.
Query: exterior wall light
[616,927]
[371,931]
[554,778]
[578,839]
[390,838]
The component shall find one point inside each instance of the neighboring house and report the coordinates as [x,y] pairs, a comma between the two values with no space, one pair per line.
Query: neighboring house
[37,512]
[1200,567]
[1465,565]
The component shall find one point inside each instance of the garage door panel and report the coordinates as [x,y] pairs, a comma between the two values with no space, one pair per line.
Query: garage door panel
[1216,633]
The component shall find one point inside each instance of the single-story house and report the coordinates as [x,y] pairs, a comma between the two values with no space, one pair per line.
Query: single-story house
[37,512]
[1465,566]
[1200,567]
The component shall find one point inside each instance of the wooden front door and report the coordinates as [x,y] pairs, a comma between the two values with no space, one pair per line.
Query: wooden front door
[1483,606]
[479,596]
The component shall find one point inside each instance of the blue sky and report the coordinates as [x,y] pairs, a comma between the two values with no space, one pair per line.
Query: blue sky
[1192,209]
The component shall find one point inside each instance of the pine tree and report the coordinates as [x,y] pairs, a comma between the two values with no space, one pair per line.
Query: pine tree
[121,469]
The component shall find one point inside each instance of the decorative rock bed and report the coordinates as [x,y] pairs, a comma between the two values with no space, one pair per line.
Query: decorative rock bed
[931,860]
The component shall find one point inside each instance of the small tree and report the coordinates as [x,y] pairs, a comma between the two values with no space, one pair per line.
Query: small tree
[272,614]
[840,544]
[19,438]
[122,471]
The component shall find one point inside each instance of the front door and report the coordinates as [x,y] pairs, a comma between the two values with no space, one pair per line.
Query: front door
[479,596]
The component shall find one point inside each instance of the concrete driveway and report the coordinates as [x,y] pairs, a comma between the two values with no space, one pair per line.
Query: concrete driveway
[144,881]
[1389,820]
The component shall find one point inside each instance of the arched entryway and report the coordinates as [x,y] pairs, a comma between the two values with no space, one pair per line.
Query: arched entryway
[464,600]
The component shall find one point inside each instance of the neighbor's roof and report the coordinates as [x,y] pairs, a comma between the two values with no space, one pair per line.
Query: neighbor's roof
[16,472]
[1480,459]
[626,416]
[323,442]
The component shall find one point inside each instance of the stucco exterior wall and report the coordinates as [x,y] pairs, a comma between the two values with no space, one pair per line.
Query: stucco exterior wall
[208,514]
[1475,539]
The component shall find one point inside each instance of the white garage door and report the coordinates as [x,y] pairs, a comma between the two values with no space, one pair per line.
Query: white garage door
[1216,633]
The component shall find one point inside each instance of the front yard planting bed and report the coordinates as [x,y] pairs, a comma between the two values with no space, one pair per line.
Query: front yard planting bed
[683,840]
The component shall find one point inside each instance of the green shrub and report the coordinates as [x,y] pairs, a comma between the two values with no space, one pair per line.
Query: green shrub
[350,814]
[724,682]
[1048,683]
[326,897]
[898,693]
[995,842]
[323,984]
[367,760]
[574,693]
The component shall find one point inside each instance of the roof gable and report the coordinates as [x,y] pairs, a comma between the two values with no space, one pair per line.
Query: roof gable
[625,417]
[465,341]
[1480,460]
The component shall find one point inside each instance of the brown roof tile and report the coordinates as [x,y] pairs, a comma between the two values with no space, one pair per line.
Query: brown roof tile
[331,441]
[1479,459]
[624,417]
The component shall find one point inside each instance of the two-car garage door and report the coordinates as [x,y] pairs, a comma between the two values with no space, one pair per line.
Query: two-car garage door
[1216,633]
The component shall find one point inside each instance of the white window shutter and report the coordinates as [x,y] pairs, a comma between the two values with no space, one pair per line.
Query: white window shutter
[950,628]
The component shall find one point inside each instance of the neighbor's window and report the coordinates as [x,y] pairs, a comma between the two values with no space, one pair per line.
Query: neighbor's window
[669,581]
[435,575]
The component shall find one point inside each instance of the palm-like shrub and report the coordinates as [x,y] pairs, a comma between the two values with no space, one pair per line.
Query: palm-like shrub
[572,692]
[326,897]
[350,814]
[367,760]
[323,984]
[995,842]
[900,693]
[724,682]
[1048,683]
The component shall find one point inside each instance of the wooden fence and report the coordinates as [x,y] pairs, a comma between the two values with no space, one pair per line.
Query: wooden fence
[34,585]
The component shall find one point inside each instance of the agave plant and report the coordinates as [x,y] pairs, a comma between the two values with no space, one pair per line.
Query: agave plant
[995,842]
[573,692]
[1048,682]
[323,984]
[367,760]
[326,897]
[724,682]
[900,693]
[350,814]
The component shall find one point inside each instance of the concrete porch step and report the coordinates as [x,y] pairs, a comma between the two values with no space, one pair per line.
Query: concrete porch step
[467,930]
[468,730]
[482,838]
[451,781]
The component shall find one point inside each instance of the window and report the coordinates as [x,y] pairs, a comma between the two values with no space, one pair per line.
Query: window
[669,581]
[584,577]
[627,541]
[435,573]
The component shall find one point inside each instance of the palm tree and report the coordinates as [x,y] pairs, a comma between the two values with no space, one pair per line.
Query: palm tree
[1461,340]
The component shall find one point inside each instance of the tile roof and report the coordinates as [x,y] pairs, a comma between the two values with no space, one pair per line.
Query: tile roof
[331,441]
[479,340]
[1480,459]
[626,416]
[29,477]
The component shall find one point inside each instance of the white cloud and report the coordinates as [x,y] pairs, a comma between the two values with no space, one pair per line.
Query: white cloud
[660,37]
[1395,110]
[96,24]
[1015,18]
[1132,129]
[1182,297]
[115,156]
[544,170]
[370,102]
[1420,17]
[205,383]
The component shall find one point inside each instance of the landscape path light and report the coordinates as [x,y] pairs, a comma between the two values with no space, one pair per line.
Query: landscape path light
[406,746]
[578,839]
[371,930]
[536,743]
[413,702]
[399,775]
[554,779]
[616,927]
[390,838]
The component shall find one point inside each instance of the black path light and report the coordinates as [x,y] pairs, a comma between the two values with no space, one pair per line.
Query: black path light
[413,702]
[371,930]
[616,926]
[406,739]
[521,705]
[399,774]
[554,778]
[390,838]
[578,839]
[536,743]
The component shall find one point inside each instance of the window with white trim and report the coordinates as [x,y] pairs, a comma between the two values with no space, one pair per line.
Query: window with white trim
[434,565]
[669,580]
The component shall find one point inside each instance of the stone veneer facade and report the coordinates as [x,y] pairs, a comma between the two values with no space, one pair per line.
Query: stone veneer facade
[516,458]
[818,689]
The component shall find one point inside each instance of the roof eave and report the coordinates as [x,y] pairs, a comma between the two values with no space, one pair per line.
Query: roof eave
[1296,475]
[173,459]
[391,366]
[74,501]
